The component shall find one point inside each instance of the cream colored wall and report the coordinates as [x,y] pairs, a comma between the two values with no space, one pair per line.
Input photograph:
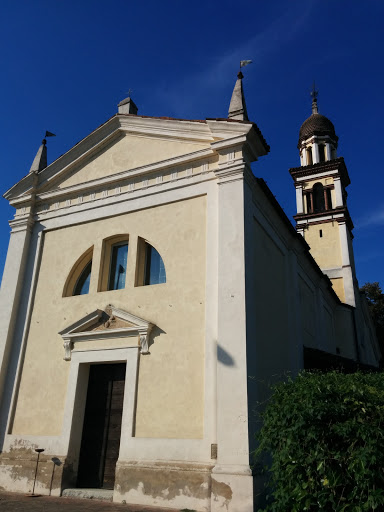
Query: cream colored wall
[126,153]
[338,286]
[326,249]
[171,378]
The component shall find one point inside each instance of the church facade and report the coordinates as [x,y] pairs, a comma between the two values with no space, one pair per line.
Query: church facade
[152,286]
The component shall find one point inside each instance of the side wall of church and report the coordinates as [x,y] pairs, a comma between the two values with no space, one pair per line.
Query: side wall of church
[289,304]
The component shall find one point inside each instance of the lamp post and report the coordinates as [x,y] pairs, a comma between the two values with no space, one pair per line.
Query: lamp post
[32,494]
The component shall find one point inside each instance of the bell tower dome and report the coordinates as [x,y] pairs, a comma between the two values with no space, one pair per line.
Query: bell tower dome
[317,137]
[322,214]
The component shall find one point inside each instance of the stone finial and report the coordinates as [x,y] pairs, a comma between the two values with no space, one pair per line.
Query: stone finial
[127,106]
[237,107]
[40,161]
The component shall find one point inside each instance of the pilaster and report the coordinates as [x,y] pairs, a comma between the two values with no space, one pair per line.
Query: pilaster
[299,198]
[315,153]
[12,288]
[231,476]
[328,152]
[338,191]
[349,288]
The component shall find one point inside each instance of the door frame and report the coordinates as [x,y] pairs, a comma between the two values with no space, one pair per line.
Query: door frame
[74,409]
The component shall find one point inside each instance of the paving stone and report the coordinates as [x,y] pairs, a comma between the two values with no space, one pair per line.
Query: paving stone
[13,502]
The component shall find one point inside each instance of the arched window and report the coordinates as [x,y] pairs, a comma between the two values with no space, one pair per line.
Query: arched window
[318,198]
[82,285]
[79,277]
[322,152]
[150,269]
[154,267]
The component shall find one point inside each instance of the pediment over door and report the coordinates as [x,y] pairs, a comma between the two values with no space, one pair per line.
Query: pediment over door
[102,324]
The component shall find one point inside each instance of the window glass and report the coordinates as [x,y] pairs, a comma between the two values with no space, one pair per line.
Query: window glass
[118,270]
[82,285]
[154,267]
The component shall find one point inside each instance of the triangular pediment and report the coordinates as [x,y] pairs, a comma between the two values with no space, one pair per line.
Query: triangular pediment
[125,153]
[109,322]
[128,144]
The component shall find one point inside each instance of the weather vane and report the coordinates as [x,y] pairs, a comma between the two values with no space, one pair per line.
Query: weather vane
[244,63]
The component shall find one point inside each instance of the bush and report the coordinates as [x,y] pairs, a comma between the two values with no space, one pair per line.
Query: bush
[324,433]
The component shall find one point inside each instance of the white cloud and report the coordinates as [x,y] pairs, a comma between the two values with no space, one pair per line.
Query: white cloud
[373,218]
[258,48]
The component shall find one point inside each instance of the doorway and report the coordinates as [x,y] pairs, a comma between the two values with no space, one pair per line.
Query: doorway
[100,440]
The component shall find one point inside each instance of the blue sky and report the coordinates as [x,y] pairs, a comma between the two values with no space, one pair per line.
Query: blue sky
[66,65]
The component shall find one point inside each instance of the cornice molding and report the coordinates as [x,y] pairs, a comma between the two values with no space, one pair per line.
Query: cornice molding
[330,167]
[127,175]
[119,125]
[24,223]
[335,215]
[231,172]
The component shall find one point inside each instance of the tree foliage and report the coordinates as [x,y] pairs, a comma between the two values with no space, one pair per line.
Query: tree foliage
[324,433]
[375,298]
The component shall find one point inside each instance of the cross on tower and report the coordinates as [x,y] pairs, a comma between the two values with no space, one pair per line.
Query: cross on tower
[314,92]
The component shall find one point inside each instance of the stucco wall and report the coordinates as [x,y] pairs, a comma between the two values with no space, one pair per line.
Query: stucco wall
[172,375]
[326,249]
[128,152]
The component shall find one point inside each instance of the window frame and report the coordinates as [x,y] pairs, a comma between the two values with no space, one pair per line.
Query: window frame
[76,272]
[89,264]
[112,247]
[143,249]
[106,261]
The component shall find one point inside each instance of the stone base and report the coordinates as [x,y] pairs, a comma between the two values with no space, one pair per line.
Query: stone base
[164,484]
[232,489]
[91,494]
[178,485]
[17,472]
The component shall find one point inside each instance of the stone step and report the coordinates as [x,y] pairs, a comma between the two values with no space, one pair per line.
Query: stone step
[90,494]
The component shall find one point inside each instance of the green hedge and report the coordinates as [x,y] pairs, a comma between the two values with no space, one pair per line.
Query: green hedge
[325,436]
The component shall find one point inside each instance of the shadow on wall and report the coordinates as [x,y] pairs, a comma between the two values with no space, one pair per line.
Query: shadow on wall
[156,332]
[224,357]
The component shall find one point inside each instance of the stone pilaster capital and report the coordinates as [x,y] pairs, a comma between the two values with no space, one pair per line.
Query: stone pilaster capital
[233,172]
[24,223]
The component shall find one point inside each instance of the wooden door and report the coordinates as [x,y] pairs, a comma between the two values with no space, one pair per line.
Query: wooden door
[102,426]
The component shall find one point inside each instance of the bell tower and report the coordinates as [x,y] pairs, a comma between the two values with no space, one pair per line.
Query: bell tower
[322,214]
